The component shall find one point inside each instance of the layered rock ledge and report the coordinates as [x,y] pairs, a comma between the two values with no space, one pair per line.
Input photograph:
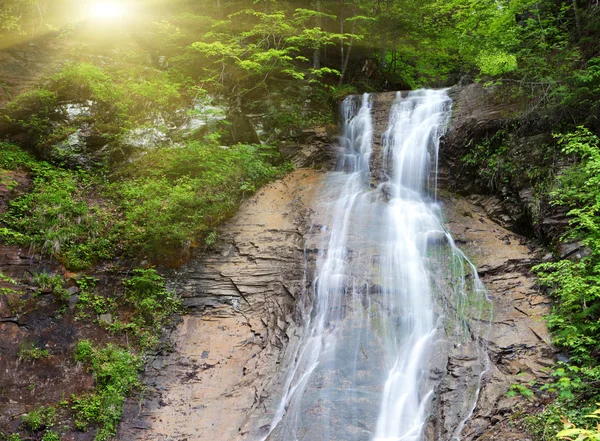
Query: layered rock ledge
[241,303]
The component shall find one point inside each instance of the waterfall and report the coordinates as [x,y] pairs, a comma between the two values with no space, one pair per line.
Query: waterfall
[391,299]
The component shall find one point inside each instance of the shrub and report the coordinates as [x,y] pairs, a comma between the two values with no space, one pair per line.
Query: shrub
[152,304]
[58,217]
[576,285]
[116,373]
[30,352]
[53,283]
[161,206]
[571,430]
[39,418]
[173,198]
[50,436]
[13,157]
[34,112]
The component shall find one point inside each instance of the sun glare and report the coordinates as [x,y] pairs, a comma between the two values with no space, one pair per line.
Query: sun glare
[103,10]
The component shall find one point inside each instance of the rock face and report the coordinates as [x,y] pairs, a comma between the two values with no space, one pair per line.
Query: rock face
[518,343]
[313,148]
[23,65]
[223,379]
[504,176]
[242,302]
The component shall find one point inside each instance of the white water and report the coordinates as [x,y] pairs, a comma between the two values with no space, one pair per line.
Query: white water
[361,369]
[414,124]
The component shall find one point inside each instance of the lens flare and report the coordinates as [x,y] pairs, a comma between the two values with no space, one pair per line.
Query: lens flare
[106,10]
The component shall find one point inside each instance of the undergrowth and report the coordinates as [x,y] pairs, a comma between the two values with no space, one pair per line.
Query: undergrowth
[161,206]
[141,313]
[116,374]
[574,285]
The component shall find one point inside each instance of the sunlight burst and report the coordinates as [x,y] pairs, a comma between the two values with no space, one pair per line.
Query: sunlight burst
[103,10]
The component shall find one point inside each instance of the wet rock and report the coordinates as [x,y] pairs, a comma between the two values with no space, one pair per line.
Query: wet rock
[106,318]
[241,301]
[146,138]
[519,344]
[72,301]
[82,148]
[315,147]
[437,238]
[78,110]
[574,251]
[203,115]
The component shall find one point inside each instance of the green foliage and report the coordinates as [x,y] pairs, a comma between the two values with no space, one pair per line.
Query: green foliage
[35,113]
[152,305]
[575,284]
[116,373]
[13,157]
[496,64]
[489,157]
[113,100]
[88,299]
[586,94]
[572,384]
[141,311]
[267,46]
[570,431]
[162,205]
[77,81]
[58,217]
[30,352]
[520,389]
[40,418]
[174,197]
[50,436]
[7,279]
[52,283]
[546,424]
[256,58]
[118,95]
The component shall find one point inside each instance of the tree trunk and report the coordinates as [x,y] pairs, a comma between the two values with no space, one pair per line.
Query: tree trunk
[384,34]
[383,48]
[346,60]
[577,22]
[318,24]
[342,41]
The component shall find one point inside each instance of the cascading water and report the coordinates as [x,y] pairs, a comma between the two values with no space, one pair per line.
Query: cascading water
[414,125]
[391,295]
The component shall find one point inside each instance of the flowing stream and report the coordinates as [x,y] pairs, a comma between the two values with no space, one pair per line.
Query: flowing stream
[392,299]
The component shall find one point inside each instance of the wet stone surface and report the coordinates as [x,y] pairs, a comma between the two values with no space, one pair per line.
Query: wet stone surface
[241,302]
